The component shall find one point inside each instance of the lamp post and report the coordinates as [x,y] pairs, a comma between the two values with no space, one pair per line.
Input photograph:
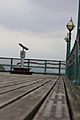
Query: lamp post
[67,51]
[70,26]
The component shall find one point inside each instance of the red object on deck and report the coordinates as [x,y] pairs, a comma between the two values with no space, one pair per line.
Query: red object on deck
[19,70]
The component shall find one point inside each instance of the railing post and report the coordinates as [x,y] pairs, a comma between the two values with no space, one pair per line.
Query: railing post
[11,64]
[28,64]
[45,66]
[59,68]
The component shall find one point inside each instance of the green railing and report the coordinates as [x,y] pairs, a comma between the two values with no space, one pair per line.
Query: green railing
[73,58]
[73,62]
[36,65]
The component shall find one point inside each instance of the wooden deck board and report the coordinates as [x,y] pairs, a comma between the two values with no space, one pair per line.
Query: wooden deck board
[12,105]
[73,94]
[55,106]
[36,97]
[25,105]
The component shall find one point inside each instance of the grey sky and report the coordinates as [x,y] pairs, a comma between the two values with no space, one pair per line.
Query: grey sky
[39,24]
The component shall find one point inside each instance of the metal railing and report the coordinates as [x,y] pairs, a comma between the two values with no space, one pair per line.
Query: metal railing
[36,65]
[73,62]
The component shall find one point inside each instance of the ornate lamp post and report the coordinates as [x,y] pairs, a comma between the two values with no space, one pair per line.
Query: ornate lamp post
[70,26]
[67,51]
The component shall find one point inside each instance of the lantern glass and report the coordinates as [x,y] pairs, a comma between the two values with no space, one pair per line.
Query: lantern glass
[70,25]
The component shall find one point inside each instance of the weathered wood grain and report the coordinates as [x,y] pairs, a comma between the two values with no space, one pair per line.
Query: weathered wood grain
[38,97]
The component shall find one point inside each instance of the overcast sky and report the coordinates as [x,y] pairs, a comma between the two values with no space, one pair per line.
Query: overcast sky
[38,24]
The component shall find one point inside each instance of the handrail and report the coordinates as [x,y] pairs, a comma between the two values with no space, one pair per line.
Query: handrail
[36,65]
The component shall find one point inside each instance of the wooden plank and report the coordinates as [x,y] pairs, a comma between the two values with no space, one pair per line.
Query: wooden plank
[73,96]
[19,109]
[16,94]
[14,86]
[38,97]
[55,106]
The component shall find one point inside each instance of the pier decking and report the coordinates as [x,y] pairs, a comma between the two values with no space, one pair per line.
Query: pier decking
[38,97]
